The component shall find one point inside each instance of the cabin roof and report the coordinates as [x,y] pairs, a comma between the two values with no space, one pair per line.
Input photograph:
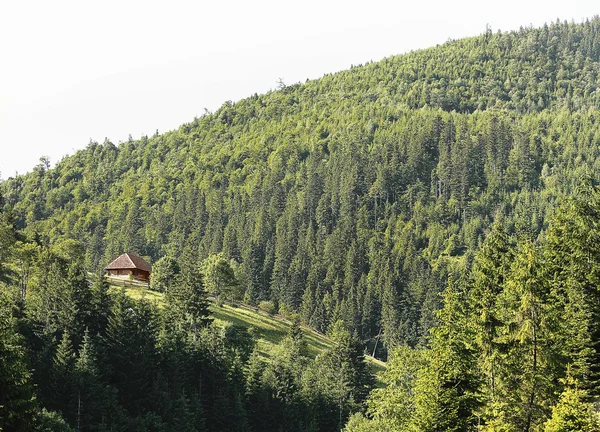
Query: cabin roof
[129,261]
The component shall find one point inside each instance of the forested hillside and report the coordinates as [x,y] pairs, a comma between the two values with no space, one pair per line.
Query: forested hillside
[410,202]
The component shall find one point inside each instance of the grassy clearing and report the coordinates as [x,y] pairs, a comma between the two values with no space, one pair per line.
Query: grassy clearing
[271,330]
[378,367]
[138,292]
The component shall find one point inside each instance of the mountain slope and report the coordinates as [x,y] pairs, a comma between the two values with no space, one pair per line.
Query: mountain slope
[353,196]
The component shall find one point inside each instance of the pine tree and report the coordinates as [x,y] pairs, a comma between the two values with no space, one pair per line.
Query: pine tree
[255,394]
[187,298]
[129,352]
[90,394]
[183,418]
[80,293]
[62,378]
[572,254]
[17,406]
[100,305]
[573,412]
[531,354]
[7,242]
[490,271]
[447,388]
[391,408]
[340,376]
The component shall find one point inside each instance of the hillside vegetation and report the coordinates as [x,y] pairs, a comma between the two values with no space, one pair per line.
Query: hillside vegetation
[269,330]
[438,208]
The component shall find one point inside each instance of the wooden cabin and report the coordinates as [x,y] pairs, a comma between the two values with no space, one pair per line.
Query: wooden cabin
[129,264]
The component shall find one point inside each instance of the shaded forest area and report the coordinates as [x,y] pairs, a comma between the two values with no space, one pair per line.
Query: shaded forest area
[438,208]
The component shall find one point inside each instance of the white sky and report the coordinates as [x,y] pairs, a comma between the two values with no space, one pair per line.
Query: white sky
[75,70]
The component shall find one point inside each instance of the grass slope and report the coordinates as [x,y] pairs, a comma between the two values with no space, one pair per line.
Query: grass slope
[271,330]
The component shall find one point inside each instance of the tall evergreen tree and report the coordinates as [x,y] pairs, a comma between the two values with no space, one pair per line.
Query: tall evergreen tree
[447,389]
[187,298]
[572,253]
[531,357]
[17,407]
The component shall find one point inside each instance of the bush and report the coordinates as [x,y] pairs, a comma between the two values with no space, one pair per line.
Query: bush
[284,310]
[267,306]
[50,421]
[254,332]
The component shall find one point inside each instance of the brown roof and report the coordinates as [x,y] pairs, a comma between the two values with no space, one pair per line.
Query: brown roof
[129,261]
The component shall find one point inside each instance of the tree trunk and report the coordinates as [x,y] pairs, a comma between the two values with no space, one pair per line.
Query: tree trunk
[534,373]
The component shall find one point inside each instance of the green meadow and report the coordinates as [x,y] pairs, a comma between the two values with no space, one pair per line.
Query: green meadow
[270,330]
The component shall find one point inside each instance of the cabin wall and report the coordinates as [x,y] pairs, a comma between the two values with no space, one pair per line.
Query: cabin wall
[125,274]
[119,273]
[141,275]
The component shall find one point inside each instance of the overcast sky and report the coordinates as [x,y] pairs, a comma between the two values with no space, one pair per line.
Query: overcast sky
[71,71]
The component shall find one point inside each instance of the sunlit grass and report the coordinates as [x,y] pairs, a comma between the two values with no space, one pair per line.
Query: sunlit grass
[270,330]
[140,292]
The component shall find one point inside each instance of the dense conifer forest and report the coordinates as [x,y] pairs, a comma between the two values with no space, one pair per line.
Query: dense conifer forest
[437,209]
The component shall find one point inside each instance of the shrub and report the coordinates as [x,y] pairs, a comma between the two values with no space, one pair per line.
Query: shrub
[284,310]
[267,306]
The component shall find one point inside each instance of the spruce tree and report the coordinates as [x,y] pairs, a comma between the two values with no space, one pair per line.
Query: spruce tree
[62,382]
[572,254]
[573,412]
[488,279]
[447,388]
[187,298]
[17,406]
[90,393]
[182,416]
[530,351]
[100,305]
